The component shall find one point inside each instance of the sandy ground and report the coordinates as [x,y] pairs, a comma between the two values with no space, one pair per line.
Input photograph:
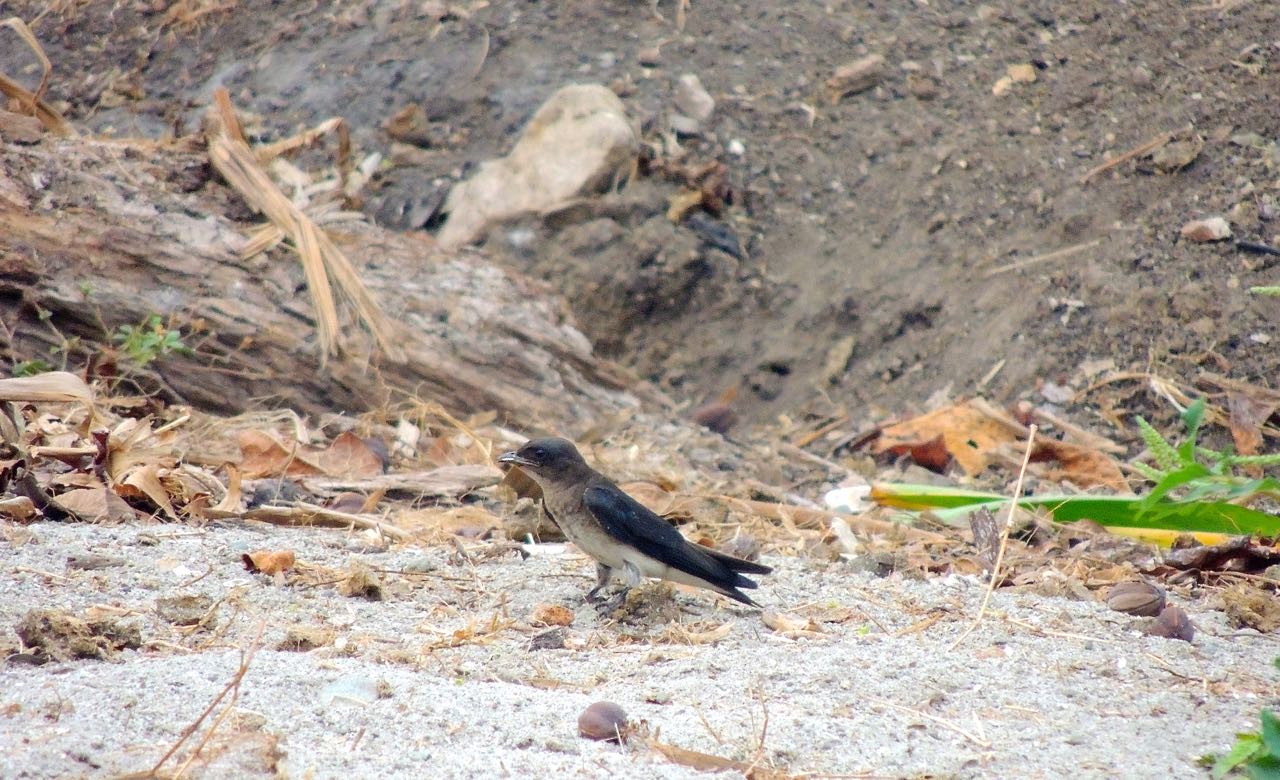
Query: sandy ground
[1044,686]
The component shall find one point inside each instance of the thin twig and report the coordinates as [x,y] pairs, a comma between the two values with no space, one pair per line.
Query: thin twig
[1137,151]
[311,515]
[981,742]
[232,687]
[1057,254]
[1004,540]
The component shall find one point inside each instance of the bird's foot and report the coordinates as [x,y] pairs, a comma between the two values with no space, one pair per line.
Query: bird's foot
[611,605]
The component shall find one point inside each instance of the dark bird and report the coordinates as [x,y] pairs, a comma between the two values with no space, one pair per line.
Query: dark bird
[618,531]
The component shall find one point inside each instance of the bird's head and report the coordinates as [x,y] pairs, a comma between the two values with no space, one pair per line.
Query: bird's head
[546,458]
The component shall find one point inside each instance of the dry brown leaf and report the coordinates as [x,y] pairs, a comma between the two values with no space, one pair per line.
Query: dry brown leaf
[19,508]
[679,634]
[146,481]
[551,615]
[706,762]
[1081,466]
[262,454]
[268,561]
[790,626]
[230,503]
[972,431]
[1248,413]
[55,386]
[1239,554]
[348,456]
[681,203]
[95,505]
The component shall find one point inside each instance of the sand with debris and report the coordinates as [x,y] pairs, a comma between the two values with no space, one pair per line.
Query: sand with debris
[445,677]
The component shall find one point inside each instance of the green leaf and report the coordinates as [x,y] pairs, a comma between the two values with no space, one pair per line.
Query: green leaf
[1271,732]
[1246,745]
[1166,457]
[1264,767]
[953,505]
[1175,479]
[1192,417]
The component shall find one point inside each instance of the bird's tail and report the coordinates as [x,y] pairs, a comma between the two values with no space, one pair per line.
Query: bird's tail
[739,565]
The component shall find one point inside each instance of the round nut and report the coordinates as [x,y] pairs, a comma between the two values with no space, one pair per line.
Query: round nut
[603,720]
[1172,623]
[1136,598]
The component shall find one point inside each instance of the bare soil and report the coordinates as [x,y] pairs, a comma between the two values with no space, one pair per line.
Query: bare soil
[883,218]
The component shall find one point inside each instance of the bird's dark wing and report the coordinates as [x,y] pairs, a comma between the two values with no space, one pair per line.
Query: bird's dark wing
[631,523]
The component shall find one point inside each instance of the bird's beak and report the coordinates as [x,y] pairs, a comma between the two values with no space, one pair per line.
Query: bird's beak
[514,459]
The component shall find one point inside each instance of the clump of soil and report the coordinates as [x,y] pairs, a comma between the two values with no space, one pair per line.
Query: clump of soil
[55,635]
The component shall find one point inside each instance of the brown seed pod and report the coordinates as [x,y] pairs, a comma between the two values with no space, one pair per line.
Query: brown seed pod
[1173,623]
[1136,598]
[603,720]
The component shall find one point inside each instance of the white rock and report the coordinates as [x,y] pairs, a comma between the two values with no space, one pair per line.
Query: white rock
[692,99]
[1210,229]
[579,142]
[854,77]
[684,125]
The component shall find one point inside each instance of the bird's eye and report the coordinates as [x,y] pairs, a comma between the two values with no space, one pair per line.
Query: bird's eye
[539,453]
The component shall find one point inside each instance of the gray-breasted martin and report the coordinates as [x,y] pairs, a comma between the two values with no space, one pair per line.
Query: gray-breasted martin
[619,532]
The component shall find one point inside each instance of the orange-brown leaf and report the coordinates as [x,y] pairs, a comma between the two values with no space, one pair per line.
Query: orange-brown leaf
[972,431]
[268,561]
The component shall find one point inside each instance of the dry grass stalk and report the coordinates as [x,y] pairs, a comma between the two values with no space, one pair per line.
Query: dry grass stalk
[308,514]
[1004,540]
[976,738]
[335,125]
[233,689]
[1137,151]
[805,517]
[321,258]
[189,13]
[34,102]
[1057,254]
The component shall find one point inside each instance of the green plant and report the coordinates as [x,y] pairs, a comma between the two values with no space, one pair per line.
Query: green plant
[1255,754]
[1198,473]
[31,367]
[144,343]
[1197,490]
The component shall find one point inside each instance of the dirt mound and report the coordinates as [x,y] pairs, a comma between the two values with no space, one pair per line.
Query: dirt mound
[931,230]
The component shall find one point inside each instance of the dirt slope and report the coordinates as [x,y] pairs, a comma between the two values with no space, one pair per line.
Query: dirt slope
[878,219]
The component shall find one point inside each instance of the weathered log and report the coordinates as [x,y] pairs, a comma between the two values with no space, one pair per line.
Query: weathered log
[95,235]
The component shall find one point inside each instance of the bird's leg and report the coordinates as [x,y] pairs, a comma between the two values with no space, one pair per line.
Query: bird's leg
[614,603]
[603,573]
[632,578]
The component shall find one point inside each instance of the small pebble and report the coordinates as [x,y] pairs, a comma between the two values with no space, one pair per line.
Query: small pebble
[353,689]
